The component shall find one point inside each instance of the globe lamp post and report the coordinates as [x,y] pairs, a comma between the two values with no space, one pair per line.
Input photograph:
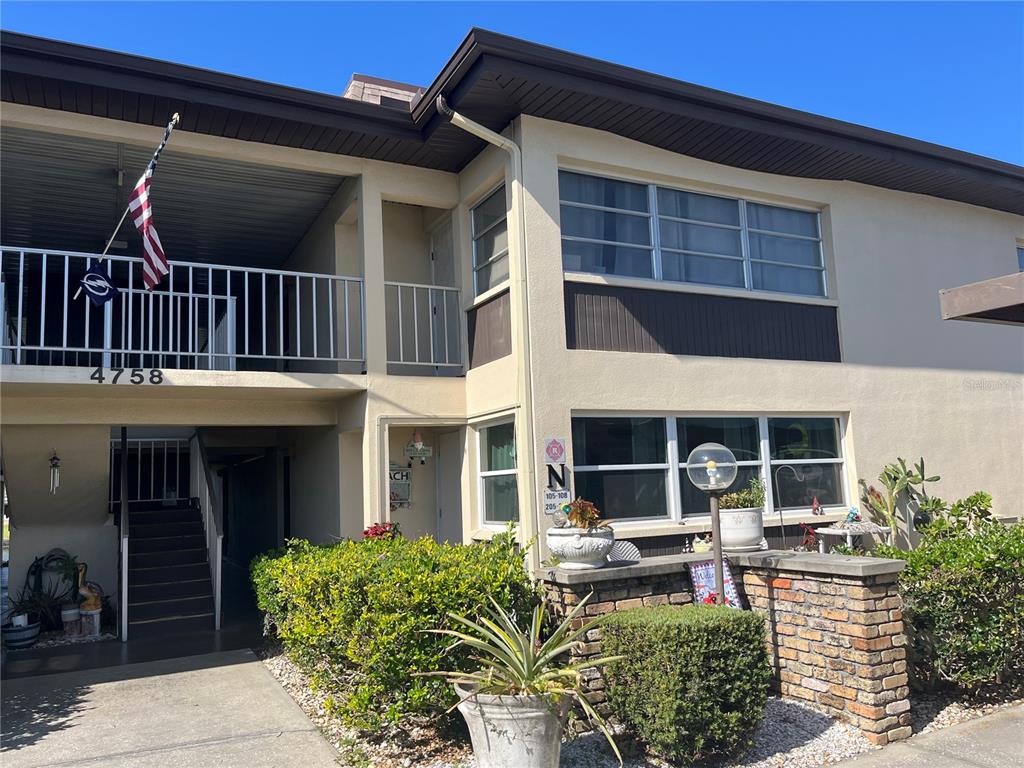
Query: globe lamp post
[712,468]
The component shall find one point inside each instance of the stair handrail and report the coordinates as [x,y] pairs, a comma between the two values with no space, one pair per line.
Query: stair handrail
[213,521]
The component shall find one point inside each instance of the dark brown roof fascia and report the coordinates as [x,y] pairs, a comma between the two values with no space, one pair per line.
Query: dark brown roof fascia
[98,67]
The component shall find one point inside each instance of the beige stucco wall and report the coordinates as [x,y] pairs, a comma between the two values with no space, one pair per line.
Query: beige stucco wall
[76,517]
[910,383]
[315,485]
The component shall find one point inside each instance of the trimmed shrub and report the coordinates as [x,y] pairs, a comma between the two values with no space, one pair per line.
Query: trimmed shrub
[963,602]
[355,615]
[694,679]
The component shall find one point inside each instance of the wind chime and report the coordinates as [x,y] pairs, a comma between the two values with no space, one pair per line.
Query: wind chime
[54,472]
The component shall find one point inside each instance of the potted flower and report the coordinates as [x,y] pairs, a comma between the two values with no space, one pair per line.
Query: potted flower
[516,703]
[583,539]
[742,516]
[25,625]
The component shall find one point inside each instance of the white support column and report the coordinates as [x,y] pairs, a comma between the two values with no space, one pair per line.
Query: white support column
[371,243]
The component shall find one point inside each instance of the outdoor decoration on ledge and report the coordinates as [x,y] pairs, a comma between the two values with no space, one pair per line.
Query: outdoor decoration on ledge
[581,538]
[712,468]
[742,514]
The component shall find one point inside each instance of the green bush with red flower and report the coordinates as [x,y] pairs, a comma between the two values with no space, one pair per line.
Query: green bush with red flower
[355,615]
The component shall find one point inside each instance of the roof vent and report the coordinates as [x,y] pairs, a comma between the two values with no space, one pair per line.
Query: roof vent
[386,93]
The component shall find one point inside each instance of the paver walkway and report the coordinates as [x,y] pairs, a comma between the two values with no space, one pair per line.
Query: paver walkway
[993,741]
[220,709]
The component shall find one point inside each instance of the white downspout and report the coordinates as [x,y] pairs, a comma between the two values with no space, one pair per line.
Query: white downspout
[524,381]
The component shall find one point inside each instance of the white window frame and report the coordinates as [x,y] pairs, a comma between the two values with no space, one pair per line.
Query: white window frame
[654,217]
[481,474]
[673,485]
[670,491]
[475,236]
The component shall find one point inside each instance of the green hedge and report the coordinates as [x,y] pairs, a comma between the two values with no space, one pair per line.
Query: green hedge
[694,679]
[355,614]
[963,603]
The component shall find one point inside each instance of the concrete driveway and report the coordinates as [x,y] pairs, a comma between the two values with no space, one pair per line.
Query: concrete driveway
[221,709]
[993,741]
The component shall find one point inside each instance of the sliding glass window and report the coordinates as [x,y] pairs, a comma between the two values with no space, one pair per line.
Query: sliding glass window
[490,242]
[622,463]
[612,227]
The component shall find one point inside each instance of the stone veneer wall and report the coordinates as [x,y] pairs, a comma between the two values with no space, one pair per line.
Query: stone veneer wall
[834,625]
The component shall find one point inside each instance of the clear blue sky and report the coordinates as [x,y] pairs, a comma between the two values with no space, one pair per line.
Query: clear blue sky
[950,73]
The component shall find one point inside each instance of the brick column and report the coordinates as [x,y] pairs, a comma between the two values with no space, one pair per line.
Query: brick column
[836,636]
[835,626]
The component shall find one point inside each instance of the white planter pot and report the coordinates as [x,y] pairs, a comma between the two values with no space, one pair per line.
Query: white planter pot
[513,731]
[742,529]
[578,548]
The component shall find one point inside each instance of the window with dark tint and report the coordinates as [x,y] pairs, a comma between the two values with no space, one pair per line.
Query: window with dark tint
[806,462]
[739,435]
[620,464]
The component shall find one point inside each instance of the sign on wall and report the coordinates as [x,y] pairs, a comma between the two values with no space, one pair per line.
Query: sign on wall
[557,491]
[554,450]
[400,486]
[554,498]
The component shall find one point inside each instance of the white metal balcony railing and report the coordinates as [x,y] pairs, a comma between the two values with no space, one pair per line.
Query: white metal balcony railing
[201,316]
[423,325]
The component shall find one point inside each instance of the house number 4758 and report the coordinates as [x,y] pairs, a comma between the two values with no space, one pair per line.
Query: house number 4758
[135,375]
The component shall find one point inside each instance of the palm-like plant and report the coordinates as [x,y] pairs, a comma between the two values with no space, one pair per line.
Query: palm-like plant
[520,662]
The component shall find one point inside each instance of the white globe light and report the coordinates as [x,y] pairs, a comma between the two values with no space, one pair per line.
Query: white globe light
[711,467]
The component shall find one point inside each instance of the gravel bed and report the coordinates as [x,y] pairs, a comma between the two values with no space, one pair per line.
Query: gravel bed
[792,735]
[932,711]
[58,639]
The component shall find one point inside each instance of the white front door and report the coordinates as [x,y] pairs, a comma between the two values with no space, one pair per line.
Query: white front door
[448,468]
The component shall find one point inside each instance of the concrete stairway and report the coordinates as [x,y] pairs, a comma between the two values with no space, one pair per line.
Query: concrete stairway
[169,585]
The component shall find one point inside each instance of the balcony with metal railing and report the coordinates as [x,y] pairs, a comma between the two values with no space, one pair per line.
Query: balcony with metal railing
[216,317]
[200,317]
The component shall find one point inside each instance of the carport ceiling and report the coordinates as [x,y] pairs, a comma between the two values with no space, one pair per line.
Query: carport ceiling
[61,192]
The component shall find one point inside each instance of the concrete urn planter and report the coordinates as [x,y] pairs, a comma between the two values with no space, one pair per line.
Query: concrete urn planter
[743,529]
[513,731]
[580,548]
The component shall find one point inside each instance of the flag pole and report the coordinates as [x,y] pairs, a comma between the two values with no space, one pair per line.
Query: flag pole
[175,119]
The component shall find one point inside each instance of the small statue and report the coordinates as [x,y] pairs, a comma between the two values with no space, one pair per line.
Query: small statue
[89,591]
[701,544]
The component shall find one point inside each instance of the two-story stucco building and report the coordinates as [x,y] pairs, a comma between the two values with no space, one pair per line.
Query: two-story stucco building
[383,305]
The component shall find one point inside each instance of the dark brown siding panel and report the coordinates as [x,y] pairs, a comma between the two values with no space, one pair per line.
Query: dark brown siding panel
[618,319]
[490,331]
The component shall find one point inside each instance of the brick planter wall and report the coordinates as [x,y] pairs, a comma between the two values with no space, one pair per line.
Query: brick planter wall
[834,624]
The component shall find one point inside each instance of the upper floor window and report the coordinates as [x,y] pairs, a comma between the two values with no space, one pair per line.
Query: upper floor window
[1020,258]
[613,227]
[490,242]
[498,489]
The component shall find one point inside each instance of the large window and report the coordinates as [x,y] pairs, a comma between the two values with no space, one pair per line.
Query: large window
[490,242]
[499,496]
[620,464]
[624,464]
[612,227]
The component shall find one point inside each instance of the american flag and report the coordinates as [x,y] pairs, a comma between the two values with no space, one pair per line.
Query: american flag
[154,260]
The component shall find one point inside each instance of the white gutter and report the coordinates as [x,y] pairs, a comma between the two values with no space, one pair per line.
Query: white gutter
[524,381]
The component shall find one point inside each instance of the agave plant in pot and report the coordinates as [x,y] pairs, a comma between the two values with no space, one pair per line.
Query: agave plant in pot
[742,516]
[581,538]
[516,701]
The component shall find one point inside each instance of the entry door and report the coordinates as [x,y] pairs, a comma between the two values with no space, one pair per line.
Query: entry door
[448,467]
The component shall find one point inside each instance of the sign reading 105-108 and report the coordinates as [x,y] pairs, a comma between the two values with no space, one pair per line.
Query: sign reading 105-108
[133,375]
